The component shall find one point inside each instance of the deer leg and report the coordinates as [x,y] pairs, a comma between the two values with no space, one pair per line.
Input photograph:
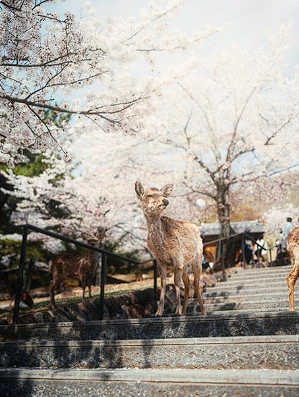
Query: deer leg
[52,292]
[54,284]
[291,279]
[186,281]
[177,284]
[89,281]
[162,272]
[196,265]
[83,283]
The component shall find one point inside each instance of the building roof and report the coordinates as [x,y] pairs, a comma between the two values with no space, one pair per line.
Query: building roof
[213,229]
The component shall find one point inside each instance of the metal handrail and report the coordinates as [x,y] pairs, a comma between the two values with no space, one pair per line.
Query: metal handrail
[70,240]
[237,234]
[28,227]
[105,254]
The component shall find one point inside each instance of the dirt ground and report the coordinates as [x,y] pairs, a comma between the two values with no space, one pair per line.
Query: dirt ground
[75,293]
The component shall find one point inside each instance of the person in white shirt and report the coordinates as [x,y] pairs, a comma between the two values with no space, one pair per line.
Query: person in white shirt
[261,250]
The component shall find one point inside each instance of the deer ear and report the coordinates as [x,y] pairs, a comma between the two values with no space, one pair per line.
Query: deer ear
[139,189]
[84,236]
[167,189]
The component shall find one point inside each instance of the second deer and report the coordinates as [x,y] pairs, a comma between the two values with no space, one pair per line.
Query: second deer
[75,266]
[174,244]
[293,251]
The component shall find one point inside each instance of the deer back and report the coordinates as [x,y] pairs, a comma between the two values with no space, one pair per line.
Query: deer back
[67,265]
[174,239]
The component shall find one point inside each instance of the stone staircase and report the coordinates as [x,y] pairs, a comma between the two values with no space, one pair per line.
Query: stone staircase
[248,345]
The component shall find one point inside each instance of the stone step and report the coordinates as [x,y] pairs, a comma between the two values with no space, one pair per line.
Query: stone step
[255,280]
[227,293]
[263,297]
[258,352]
[273,304]
[280,283]
[228,312]
[248,274]
[264,270]
[227,290]
[257,311]
[222,324]
[149,382]
[242,292]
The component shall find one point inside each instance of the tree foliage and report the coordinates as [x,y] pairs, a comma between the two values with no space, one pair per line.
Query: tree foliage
[46,56]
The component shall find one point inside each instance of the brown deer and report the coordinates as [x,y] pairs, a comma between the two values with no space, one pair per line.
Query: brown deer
[79,266]
[293,251]
[173,243]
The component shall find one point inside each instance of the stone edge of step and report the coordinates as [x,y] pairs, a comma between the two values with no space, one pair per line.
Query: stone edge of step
[194,376]
[152,319]
[225,340]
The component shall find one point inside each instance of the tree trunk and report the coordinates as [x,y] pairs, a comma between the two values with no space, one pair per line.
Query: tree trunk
[223,211]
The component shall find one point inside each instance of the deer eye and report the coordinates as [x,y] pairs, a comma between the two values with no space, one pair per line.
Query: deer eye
[149,195]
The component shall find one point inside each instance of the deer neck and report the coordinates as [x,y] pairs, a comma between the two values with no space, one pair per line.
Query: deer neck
[154,226]
[93,255]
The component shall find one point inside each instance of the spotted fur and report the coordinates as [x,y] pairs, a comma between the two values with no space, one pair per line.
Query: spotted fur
[75,266]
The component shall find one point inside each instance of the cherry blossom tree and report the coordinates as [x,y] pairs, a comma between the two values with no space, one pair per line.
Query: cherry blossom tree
[233,121]
[47,58]
[226,124]
[226,127]
[275,218]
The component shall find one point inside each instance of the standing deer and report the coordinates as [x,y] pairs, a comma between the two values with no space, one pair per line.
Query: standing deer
[79,266]
[174,244]
[293,251]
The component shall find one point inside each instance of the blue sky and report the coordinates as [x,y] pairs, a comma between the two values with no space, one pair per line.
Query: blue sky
[246,18]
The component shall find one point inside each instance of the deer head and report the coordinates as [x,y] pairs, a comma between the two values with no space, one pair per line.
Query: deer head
[153,201]
[90,239]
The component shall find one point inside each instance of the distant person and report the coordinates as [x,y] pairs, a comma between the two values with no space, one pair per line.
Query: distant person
[288,226]
[248,252]
[261,249]
[205,263]
[279,242]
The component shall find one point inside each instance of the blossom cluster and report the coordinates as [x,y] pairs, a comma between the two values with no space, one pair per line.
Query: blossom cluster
[46,60]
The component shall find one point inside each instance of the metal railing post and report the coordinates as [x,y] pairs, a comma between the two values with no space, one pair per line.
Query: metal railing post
[243,250]
[103,281]
[155,278]
[20,275]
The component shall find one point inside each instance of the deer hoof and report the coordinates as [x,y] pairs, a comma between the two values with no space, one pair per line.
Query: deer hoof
[178,311]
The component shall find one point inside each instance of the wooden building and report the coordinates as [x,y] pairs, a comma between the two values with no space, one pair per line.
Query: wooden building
[210,232]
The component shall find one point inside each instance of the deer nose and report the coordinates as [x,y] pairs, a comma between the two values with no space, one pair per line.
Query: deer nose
[165,202]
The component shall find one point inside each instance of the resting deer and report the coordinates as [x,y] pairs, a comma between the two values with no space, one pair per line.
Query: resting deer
[293,251]
[78,266]
[173,243]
